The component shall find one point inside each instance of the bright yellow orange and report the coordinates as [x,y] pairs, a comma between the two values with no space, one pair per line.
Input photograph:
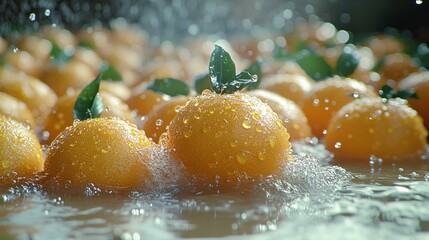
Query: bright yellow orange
[20,151]
[227,138]
[420,83]
[107,152]
[68,77]
[290,86]
[16,109]
[398,66]
[327,97]
[157,121]
[289,113]
[62,114]
[372,127]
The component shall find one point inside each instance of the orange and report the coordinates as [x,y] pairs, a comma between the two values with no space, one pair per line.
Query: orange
[383,45]
[290,86]
[16,109]
[398,66]
[107,152]
[228,138]
[375,128]
[64,38]
[62,114]
[118,89]
[157,121]
[38,47]
[35,94]
[20,151]
[420,83]
[68,77]
[24,62]
[144,102]
[327,97]
[289,113]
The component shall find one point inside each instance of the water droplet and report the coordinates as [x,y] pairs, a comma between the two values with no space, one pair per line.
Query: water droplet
[279,123]
[32,17]
[324,132]
[188,133]
[178,108]
[256,116]
[185,121]
[418,2]
[272,142]
[104,151]
[47,12]
[159,122]
[337,145]
[241,159]
[206,92]
[316,102]
[246,124]
[261,156]
[258,128]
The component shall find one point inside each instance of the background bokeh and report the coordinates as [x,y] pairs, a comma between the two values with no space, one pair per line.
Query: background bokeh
[175,19]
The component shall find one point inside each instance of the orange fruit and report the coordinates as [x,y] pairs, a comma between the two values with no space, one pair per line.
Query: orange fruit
[107,152]
[290,86]
[398,66]
[68,77]
[24,62]
[420,83]
[62,114]
[16,109]
[117,89]
[227,138]
[327,97]
[289,113]
[383,45]
[20,151]
[38,97]
[157,121]
[63,37]
[88,57]
[38,47]
[371,127]
[144,102]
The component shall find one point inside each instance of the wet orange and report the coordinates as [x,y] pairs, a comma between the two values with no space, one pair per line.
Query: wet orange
[289,113]
[68,77]
[420,83]
[327,97]
[145,101]
[290,86]
[24,62]
[62,114]
[107,152]
[16,109]
[157,121]
[383,45]
[227,138]
[373,128]
[398,66]
[35,94]
[20,151]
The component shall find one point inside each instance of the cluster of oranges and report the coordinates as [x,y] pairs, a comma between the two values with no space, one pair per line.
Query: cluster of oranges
[220,135]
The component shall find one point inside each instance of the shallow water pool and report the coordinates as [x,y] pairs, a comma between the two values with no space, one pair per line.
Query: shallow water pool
[314,200]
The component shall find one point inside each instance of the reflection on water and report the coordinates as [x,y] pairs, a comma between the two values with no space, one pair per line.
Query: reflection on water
[312,201]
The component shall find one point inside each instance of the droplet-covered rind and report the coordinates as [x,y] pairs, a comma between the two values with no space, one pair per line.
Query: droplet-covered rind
[369,127]
[16,109]
[20,151]
[226,136]
[291,115]
[327,97]
[107,152]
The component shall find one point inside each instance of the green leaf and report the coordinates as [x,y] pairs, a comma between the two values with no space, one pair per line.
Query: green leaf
[108,72]
[88,104]
[302,45]
[348,61]
[58,55]
[169,86]
[86,45]
[221,69]
[241,81]
[255,69]
[202,82]
[389,92]
[313,64]
[422,55]
[280,53]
